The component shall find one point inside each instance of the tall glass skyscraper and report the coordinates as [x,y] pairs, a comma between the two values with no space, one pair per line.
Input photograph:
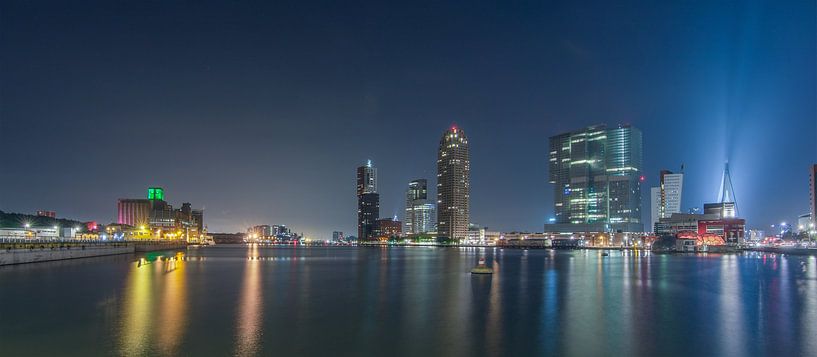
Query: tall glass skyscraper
[368,201]
[453,185]
[420,214]
[596,177]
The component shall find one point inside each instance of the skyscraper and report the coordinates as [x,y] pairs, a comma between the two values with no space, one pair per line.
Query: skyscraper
[655,207]
[668,200]
[420,214]
[368,201]
[596,177]
[366,179]
[368,211]
[453,185]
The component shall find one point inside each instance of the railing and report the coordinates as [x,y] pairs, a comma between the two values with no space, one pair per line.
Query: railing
[91,241]
[11,244]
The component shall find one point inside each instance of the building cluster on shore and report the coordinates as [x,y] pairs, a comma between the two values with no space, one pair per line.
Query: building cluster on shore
[446,220]
[275,233]
[596,174]
[150,218]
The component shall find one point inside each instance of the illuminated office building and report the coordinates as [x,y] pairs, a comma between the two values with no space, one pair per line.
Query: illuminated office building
[596,177]
[666,198]
[368,201]
[420,214]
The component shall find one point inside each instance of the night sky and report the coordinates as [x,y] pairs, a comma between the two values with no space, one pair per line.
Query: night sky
[260,112]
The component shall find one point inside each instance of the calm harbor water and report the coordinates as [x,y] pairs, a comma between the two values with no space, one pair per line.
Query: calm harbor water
[240,300]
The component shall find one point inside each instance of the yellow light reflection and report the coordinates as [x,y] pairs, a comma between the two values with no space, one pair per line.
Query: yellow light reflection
[173,316]
[248,338]
[137,321]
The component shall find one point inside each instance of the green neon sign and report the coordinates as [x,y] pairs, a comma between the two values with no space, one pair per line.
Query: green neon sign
[156,193]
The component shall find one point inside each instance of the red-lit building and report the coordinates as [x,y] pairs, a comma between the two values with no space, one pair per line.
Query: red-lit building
[732,230]
[387,228]
[51,214]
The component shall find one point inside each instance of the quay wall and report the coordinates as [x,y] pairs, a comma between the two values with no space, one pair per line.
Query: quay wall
[22,256]
[792,250]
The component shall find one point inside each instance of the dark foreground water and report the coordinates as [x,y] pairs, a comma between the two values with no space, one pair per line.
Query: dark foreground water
[240,300]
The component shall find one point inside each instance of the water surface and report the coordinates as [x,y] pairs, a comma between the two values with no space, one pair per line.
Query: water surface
[244,300]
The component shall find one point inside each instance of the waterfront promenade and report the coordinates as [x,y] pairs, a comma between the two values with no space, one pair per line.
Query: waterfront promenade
[19,251]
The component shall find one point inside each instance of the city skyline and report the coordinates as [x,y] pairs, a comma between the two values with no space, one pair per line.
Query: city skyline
[267,128]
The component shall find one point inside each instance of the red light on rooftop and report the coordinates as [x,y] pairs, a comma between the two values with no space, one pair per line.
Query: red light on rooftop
[642,178]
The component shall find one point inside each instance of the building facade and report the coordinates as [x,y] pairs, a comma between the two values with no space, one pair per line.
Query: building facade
[666,198]
[731,230]
[368,201]
[420,214]
[133,212]
[596,178]
[366,179]
[387,228]
[368,211]
[453,185]
[155,218]
[655,207]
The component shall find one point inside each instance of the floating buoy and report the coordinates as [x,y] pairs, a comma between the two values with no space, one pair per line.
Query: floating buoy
[481,268]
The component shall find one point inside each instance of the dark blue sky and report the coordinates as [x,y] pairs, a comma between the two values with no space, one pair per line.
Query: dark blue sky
[261,112]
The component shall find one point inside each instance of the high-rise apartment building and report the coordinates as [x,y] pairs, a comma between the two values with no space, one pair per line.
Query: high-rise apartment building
[453,185]
[368,201]
[666,198]
[596,178]
[420,214]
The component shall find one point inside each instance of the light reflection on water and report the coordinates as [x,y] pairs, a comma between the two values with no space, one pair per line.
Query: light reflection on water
[155,307]
[250,300]
[250,314]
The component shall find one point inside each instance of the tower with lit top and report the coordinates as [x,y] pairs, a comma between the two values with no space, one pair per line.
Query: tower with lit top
[368,201]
